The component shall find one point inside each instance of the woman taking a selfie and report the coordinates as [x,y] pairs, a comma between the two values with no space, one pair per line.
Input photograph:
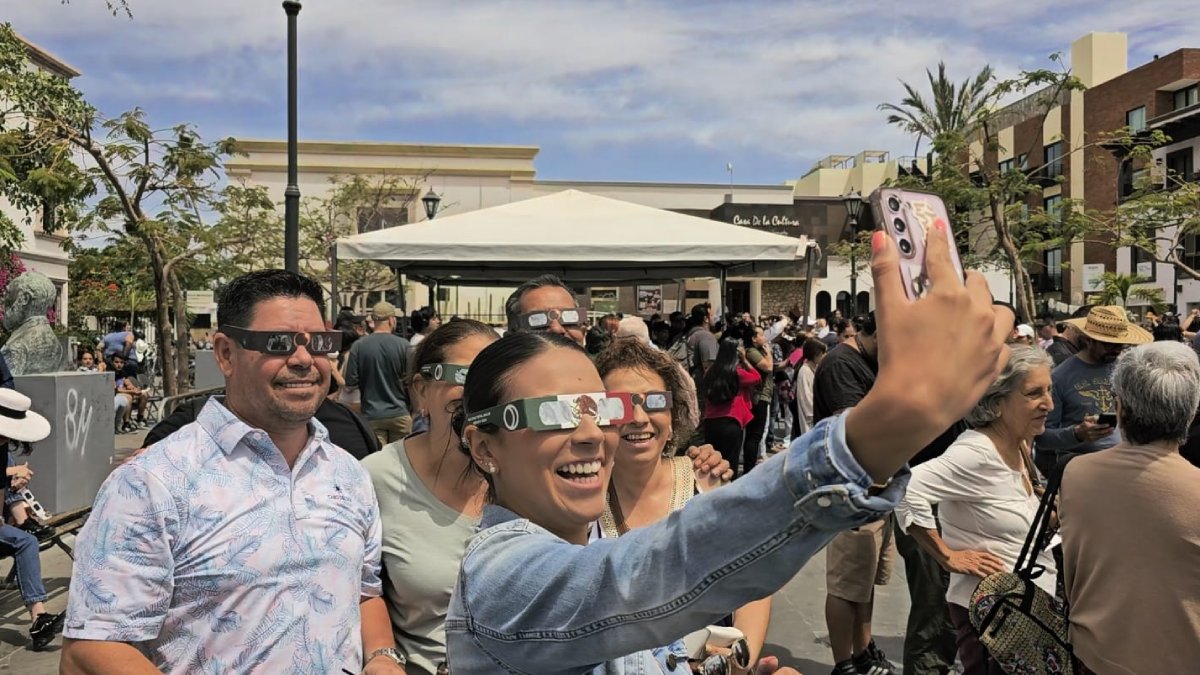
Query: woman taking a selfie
[429,499]
[728,385]
[532,598]
[984,487]
[648,482]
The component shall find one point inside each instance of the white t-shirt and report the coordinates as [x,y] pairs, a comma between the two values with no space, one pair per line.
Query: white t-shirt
[982,506]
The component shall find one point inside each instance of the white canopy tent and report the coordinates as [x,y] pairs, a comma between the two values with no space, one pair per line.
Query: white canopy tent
[583,238]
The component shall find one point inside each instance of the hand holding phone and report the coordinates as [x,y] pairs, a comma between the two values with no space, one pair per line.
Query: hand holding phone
[1107,419]
[907,216]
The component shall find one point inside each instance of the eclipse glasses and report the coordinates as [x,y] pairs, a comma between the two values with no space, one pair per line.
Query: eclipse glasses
[565,411]
[284,343]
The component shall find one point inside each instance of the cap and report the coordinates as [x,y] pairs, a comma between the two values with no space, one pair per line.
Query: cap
[383,310]
[1025,330]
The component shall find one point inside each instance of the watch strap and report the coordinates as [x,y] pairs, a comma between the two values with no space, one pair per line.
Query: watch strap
[390,652]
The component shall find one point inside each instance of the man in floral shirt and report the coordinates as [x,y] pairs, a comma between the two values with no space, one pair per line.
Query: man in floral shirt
[245,541]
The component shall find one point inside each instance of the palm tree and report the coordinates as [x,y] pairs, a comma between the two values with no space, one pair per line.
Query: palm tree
[1119,289]
[954,109]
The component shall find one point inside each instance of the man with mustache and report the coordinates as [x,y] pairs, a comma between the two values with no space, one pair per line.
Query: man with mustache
[245,541]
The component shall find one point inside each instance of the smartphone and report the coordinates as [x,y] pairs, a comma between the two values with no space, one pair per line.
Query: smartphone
[907,216]
[1107,419]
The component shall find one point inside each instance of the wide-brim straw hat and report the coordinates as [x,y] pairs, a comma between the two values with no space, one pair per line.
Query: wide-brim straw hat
[1109,323]
[17,421]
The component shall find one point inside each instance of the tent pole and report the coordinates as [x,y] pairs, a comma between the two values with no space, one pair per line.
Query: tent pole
[403,323]
[724,292]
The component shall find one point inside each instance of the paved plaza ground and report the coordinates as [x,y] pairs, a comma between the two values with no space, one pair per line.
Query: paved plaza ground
[797,634]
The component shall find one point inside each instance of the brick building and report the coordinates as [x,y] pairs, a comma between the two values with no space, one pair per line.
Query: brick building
[1158,94]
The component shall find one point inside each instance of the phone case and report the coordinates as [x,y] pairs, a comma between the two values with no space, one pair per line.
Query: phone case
[908,226]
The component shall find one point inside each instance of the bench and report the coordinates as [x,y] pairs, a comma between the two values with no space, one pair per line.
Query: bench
[67,522]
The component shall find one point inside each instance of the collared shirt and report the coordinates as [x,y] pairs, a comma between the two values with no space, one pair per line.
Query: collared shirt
[529,602]
[209,554]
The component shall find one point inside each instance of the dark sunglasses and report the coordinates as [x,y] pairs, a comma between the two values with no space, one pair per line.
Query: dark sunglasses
[284,343]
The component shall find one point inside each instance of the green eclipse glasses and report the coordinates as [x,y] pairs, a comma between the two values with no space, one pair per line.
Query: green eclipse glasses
[565,411]
[284,342]
[445,372]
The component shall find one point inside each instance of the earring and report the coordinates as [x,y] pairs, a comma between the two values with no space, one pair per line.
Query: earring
[490,468]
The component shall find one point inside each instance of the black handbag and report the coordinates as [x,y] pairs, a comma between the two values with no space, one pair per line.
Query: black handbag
[1024,627]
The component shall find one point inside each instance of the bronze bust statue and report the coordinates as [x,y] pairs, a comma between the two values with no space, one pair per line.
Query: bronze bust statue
[32,346]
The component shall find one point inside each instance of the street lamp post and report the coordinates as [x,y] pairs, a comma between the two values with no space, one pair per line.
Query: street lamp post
[291,195]
[430,201]
[810,249]
[853,203]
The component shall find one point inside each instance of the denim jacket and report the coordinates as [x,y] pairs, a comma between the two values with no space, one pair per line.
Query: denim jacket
[529,602]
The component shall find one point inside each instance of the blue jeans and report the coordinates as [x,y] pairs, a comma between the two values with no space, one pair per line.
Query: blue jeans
[23,547]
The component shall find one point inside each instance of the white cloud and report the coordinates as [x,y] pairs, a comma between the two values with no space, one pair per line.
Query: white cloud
[783,79]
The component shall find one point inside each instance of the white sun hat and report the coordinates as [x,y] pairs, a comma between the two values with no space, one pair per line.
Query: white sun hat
[17,421]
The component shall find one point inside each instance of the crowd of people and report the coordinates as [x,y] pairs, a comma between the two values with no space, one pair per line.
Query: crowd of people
[562,497]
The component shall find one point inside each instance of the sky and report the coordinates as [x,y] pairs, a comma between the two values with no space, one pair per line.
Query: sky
[626,90]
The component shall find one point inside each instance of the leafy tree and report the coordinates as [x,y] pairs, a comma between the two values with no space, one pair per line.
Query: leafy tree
[991,205]
[1161,220]
[354,203]
[953,110]
[117,7]
[113,280]
[152,183]
[1119,289]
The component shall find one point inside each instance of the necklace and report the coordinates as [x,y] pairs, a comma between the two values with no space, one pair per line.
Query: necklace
[683,485]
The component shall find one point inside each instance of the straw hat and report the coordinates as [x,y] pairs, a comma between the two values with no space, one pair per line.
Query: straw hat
[17,421]
[1110,324]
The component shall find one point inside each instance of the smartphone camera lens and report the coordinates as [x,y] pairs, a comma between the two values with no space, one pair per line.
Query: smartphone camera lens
[906,247]
[894,204]
[900,225]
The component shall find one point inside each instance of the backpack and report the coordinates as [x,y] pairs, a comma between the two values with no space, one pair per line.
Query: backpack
[681,353]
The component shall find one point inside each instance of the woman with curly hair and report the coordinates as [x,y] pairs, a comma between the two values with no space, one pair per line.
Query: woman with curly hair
[648,481]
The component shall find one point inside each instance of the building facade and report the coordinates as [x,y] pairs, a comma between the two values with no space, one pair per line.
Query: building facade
[42,244]
[1062,146]
[471,177]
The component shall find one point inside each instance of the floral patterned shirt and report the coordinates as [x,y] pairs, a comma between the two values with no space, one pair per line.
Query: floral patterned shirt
[210,555]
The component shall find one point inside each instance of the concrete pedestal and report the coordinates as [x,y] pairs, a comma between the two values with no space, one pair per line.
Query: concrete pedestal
[72,462]
[208,375]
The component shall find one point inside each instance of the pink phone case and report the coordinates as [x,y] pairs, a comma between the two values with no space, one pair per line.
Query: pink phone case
[907,216]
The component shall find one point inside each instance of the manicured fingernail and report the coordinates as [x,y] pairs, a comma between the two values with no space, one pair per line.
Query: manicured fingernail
[941,226]
[877,241]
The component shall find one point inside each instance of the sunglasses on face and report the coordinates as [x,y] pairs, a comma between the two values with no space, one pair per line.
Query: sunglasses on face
[445,372]
[555,413]
[284,343]
[541,320]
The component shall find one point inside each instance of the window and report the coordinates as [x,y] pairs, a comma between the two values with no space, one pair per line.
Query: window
[1052,259]
[1023,161]
[372,219]
[1052,206]
[1054,160]
[1187,97]
[1006,166]
[1191,250]
[1142,263]
[1179,166]
[1136,119]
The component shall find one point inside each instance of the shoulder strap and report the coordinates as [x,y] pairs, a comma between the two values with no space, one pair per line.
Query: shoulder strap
[1027,562]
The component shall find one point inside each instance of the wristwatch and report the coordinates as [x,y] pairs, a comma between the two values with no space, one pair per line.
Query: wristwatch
[390,652]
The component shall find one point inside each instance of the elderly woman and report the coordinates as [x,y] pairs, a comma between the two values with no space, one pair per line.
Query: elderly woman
[983,486]
[1131,538]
